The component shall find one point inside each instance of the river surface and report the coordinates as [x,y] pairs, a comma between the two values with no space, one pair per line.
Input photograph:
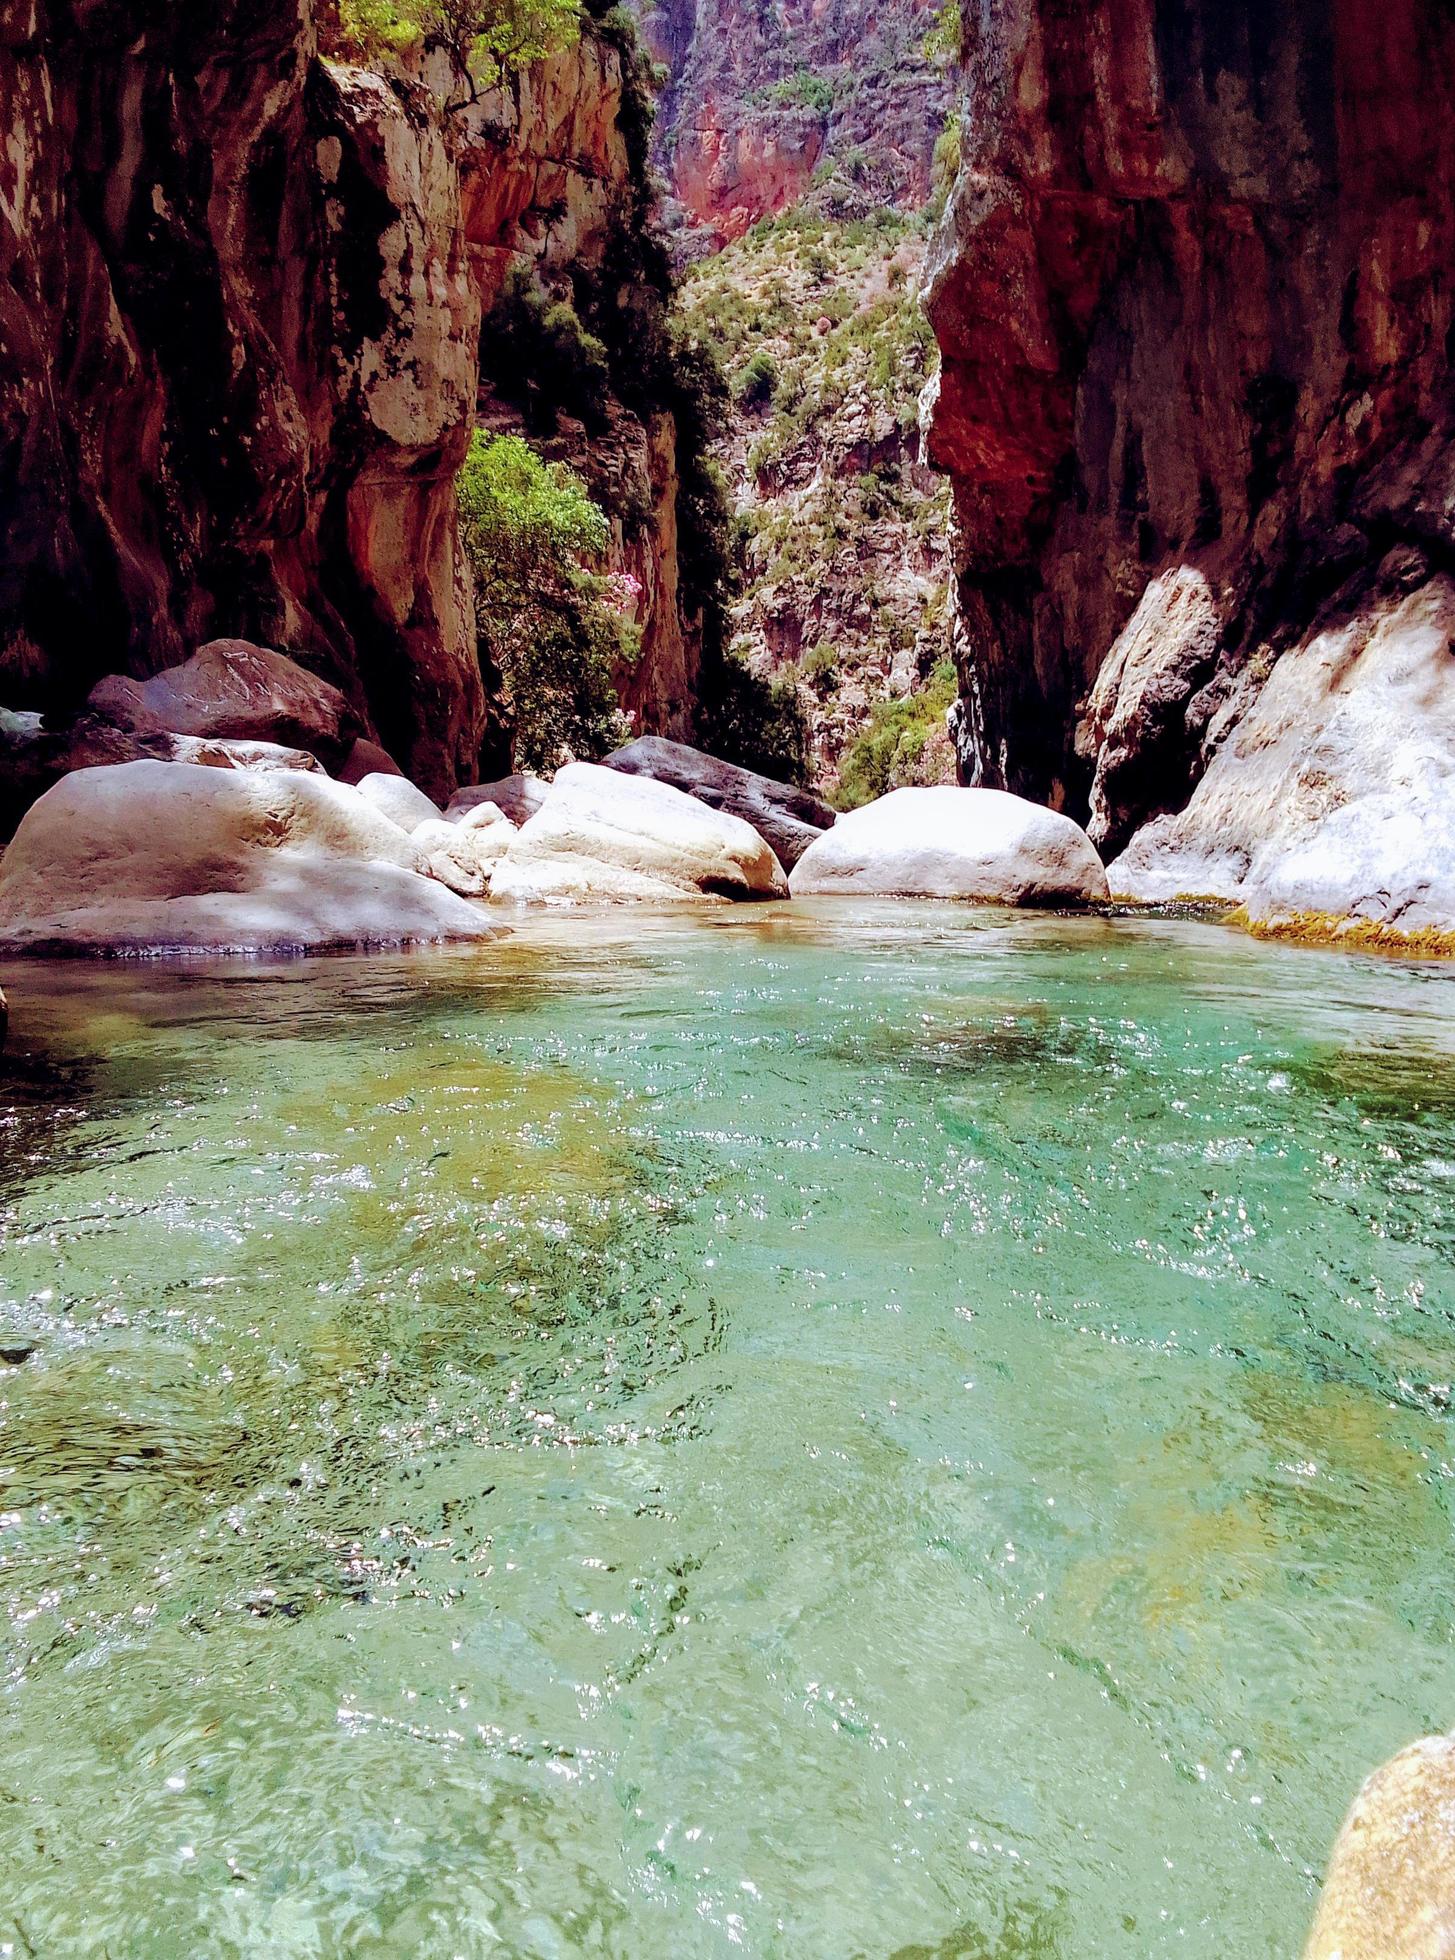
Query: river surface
[812,1430]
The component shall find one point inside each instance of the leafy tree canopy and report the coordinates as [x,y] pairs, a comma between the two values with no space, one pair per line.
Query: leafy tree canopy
[487,38]
[553,632]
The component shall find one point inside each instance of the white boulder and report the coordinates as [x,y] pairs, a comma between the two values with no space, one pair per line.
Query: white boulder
[602,835]
[980,844]
[158,857]
[464,856]
[398,799]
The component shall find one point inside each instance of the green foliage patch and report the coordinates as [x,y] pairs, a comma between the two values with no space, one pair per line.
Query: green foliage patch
[887,754]
[487,38]
[551,635]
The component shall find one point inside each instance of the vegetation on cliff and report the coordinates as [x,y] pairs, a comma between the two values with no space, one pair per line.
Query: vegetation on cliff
[486,38]
[552,631]
[842,585]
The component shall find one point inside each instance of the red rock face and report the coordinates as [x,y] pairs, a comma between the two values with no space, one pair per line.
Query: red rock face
[1194,299]
[240,304]
[760,97]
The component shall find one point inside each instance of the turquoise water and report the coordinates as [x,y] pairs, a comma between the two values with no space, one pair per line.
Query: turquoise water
[814,1430]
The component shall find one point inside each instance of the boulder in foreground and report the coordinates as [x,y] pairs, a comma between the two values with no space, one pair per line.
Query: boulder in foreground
[156,857]
[602,835]
[235,690]
[789,818]
[980,844]
[1390,1890]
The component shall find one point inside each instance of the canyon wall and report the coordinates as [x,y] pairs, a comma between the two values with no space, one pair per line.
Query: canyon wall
[760,98]
[1193,297]
[241,292]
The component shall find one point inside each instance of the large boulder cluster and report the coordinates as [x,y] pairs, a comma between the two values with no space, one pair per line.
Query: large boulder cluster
[233,804]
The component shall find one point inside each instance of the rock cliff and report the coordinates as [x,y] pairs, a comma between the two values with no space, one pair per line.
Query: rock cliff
[760,98]
[1193,296]
[241,291]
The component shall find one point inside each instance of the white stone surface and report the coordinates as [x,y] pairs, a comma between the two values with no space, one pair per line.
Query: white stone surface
[980,844]
[156,857]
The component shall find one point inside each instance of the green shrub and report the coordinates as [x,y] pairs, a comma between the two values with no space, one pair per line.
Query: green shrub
[948,148]
[820,668]
[549,641]
[885,756]
[755,385]
[486,38]
[541,358]
[746,719]
[802,90]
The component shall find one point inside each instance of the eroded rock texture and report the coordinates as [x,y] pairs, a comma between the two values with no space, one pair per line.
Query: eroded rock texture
[1193,296]
[759,97]
[240,301]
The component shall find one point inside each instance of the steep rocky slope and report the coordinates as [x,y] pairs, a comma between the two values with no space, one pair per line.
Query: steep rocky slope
[241,291]
[1193,294]
[760,98]
[842,529]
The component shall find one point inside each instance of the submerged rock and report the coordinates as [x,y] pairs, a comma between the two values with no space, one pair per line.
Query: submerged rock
[603,835]
[1390,1890]
[981,844]
[397,798]
[519,797]
[235,690]
[1331,806]
[789,818]
[150,857]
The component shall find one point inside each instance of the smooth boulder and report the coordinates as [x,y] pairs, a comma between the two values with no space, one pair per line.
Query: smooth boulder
[158,857]
[237,691]
[789,818]
[980,844]
[1390,1889]
[519,797]
[601,835]
[397,798]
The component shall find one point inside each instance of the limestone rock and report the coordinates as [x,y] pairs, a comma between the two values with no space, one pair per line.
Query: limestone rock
[518,796]
[788,818]
[1172,296]
[153,857]
[33,757]
[397,798]
[464,856]
[1335,794]
[1390,1890]
[980,844]
[1133,730]
[602,835]
[366,758]
[484,816]
[232,690]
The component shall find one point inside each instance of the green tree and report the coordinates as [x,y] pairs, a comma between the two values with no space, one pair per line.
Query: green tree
[485,38]
[553,632]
